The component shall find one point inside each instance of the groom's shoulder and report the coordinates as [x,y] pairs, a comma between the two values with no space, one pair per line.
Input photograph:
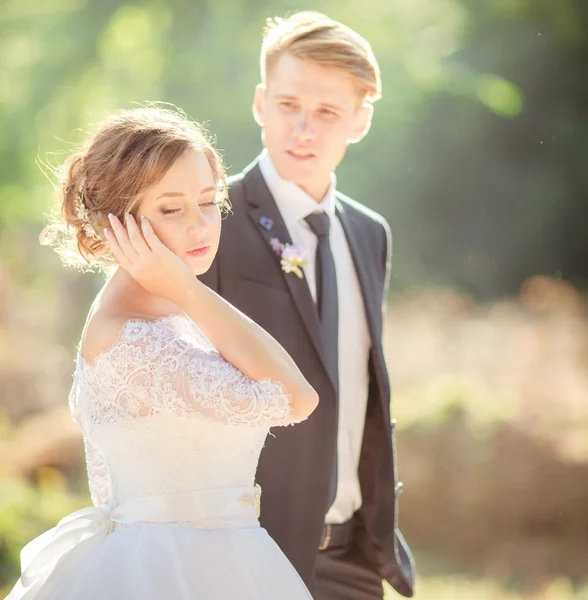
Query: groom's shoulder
[236,192]
[235,180]
[237,183]
[361,212]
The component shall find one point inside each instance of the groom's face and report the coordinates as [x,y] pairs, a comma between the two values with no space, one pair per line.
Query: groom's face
[309,114]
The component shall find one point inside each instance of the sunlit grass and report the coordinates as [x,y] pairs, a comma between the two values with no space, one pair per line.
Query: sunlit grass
[27,509]
[458,588]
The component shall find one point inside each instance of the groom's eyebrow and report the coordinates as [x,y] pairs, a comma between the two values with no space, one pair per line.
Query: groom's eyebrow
[329,105]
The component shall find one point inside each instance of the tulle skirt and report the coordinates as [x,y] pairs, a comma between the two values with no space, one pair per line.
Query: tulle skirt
[153,562]
[131,553]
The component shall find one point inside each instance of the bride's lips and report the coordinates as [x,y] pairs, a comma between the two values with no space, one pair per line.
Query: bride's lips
[199,252]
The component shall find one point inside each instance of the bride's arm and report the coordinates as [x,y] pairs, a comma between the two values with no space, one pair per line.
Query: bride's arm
[239,340]
[246,345]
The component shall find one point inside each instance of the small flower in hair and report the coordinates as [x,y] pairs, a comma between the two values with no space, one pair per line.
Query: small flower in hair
[83,215]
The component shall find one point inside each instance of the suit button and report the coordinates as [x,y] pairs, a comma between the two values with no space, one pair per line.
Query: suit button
[399,487]
[393,424]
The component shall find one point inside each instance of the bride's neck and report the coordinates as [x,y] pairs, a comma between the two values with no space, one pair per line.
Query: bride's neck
[124,291]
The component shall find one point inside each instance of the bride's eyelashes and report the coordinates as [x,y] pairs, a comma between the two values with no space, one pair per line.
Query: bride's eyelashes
[171,211]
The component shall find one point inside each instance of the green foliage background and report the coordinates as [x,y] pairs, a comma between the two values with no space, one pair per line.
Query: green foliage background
[477,157]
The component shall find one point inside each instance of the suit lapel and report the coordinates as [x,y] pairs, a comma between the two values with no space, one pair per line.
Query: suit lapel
[269,223]
[360,257]
[371,293]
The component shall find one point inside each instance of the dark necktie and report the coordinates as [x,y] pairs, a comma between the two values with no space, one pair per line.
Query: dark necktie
[326,292]
[328,307]
[327,302]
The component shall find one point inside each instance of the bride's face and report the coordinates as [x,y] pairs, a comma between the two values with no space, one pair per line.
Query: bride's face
[184,212]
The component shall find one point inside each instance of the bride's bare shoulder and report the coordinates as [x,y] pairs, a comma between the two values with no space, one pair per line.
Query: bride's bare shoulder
[103,330]
[116,304]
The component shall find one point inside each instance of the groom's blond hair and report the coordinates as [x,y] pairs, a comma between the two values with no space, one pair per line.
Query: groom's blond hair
[313,36]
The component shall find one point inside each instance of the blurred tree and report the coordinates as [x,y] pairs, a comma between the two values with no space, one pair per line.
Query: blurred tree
[476,151]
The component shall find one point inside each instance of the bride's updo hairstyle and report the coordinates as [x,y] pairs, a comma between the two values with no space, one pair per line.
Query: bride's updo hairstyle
[111,170]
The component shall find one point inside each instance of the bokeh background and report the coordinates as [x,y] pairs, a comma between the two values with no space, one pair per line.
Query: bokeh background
[477,157]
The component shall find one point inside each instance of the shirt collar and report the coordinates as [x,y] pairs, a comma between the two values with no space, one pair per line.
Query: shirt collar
[293,202]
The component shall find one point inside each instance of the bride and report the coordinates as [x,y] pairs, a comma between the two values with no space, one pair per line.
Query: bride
[174,389]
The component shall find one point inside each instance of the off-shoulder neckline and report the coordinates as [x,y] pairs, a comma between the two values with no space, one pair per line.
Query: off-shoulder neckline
[127,324]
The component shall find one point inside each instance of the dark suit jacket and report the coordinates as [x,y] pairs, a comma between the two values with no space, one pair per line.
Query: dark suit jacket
[297,463]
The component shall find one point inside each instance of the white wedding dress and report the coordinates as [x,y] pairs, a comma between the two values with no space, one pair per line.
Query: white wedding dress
[173,434]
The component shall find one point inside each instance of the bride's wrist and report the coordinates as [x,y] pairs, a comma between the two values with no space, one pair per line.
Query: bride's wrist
[189,294]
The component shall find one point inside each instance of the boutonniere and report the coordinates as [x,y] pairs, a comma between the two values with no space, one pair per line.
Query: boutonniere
[292,257]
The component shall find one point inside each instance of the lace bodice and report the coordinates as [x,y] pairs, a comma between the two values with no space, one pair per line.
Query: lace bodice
[162,412]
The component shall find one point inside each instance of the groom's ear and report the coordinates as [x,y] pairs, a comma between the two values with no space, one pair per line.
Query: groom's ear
[259,104]
[363,122]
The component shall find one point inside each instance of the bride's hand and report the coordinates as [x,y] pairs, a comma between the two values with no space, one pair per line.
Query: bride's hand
[154,266]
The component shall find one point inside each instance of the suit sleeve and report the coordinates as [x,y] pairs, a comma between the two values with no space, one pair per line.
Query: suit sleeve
[387,258]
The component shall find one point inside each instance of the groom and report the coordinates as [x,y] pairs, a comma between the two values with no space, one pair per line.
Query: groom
[312,267]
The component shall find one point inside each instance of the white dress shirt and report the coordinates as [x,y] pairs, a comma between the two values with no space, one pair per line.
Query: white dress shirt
[354,338]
